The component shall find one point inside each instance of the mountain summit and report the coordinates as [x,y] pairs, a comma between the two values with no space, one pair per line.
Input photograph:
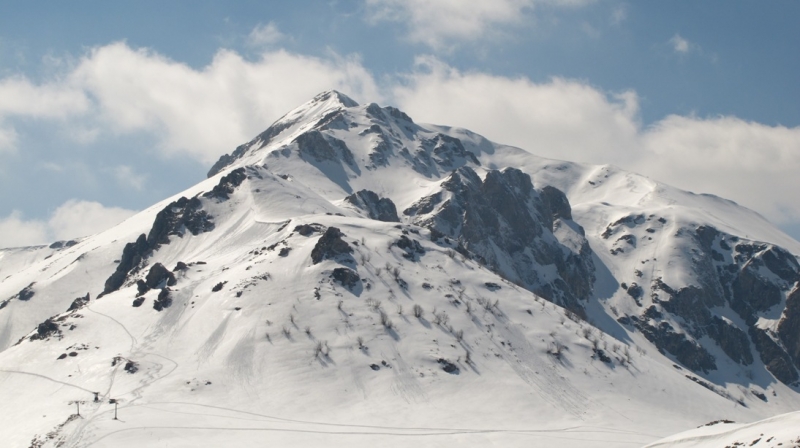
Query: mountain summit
[352,274]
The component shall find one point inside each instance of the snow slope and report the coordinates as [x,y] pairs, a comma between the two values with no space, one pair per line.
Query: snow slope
[279,330]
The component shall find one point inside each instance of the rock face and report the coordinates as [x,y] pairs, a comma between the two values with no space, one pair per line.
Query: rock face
[159,277]
[173,220]
[506,224]
[346,277]
[749,278]
[227,185]
[331,246]
[381,209]
[79,303]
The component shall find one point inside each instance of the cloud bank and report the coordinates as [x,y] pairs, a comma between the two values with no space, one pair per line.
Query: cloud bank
[72,219]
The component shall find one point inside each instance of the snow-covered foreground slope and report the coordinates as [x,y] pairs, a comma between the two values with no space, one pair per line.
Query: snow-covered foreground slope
[782,430]
[351,278]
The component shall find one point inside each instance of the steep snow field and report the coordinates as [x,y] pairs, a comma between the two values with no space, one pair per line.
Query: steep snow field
[261,341]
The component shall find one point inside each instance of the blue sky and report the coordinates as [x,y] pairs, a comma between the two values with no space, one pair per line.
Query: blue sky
[106,109]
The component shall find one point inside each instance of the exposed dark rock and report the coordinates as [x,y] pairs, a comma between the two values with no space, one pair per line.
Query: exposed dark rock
[629,221]
[635,291]
[318,147]
[556,202]
[159,277]
[601,355]
[733,341]
[137,302]
[789,327]
[346,277]
[330,245]
[413,250]
[227,184]
[62,356]
[141,287]
[132,256]
[308,229]
[448,366]
[46,329]
[424,205]
[503,223]
[664,337]
[174,219]
[164,300]
[381,209]
[284,252]
[268,135]
[752,292]
[774,357]
[26,293]
[131,367]
[491,286]
[218,287]
[79,303]
[181,266]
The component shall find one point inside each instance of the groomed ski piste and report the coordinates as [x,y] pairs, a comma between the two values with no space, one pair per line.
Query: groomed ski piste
[264,343]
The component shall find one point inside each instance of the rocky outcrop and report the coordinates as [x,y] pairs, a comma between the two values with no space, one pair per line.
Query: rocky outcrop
[79,303]
[789,327]
[316,146]
[227,184]
[666,339]
[164,300]
[159,277]
[504,223]
[346,277]
[378,208]
[774,357]
[750,278]
[331,246]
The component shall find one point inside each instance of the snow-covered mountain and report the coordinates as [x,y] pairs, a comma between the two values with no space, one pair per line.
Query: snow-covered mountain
[351,277]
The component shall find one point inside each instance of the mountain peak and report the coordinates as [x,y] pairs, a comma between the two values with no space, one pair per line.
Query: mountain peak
[334,96]
[322,104]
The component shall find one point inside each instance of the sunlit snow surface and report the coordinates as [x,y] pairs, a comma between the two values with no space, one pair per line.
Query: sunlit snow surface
[247,365]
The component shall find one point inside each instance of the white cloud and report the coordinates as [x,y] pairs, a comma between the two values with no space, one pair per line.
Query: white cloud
[72,219]
[81,218]
[751,163]
[23,98]
[436,23]
[208,112]
[679,44]
[264,35]
[16,232]
[8,139]
[561,118]
[127,177]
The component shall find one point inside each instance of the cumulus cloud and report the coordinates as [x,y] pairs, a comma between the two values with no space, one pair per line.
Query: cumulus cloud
[264,35]
[207,112]
[15,231]
[21,98]
[437,23]
[72,219]
[561,118]
[679,44]
[127,177]
[8,138]
[749,162]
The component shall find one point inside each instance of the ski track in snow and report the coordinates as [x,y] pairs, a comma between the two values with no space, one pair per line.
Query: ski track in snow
[367,430]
